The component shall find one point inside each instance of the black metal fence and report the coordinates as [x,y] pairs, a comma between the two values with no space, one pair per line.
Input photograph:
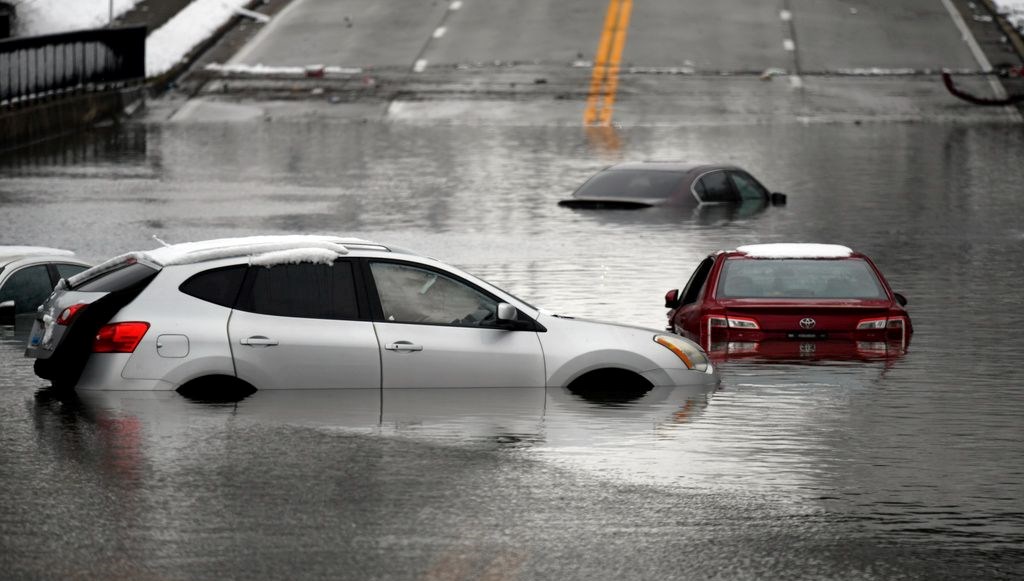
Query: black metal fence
[40,67]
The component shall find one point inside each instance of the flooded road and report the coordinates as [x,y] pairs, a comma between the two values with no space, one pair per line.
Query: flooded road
[910,467]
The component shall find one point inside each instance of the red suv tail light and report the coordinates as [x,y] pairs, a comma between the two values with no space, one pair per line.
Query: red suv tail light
[119,337]
[882,323]
[68,314]
[722,325]
[895,327]
[872,324]
[742,323]
[732,322]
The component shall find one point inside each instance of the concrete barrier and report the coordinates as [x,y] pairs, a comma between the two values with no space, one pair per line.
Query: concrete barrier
[31,123]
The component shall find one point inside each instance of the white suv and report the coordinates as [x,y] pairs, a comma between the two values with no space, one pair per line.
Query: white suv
[316,312]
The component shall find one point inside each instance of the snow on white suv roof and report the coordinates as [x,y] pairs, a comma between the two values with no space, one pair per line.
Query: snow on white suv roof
[269,248]
[269,312]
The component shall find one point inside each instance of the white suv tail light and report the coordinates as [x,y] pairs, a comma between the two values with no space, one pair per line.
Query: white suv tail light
[119,337]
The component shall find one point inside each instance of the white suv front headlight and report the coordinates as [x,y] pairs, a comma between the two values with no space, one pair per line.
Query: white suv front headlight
[687,352]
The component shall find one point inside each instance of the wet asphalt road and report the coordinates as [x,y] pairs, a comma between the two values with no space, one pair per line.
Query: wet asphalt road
[673,63]
[902,468]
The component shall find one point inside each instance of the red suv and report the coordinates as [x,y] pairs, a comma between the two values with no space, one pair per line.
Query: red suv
[790,300]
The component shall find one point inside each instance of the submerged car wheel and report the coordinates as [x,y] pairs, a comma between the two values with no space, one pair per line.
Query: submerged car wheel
[610,386]
[216,389]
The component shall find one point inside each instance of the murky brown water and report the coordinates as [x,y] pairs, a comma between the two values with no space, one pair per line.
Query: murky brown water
[907,468]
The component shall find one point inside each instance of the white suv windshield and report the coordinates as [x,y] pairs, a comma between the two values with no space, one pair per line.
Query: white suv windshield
[849,278]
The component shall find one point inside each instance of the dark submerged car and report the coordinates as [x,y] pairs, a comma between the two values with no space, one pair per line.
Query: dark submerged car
[643,184]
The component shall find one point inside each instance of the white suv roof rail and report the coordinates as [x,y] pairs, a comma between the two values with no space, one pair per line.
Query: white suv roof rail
[263,249]
[193,252]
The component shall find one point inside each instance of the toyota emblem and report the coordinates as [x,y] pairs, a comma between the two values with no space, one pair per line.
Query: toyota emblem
[807,323]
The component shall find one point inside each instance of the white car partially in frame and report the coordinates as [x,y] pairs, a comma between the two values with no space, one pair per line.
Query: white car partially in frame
[28,275]
[325,312]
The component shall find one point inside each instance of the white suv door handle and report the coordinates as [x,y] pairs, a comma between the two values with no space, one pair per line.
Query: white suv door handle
[259,341]
[403,346]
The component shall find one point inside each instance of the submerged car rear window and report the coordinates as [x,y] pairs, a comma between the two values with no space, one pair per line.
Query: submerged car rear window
[850,278]
[117,279]
[218,286]
[631,183]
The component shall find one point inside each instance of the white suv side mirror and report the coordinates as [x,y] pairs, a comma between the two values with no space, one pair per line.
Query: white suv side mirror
[507,312]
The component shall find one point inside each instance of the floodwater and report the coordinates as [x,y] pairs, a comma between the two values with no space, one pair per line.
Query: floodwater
[903,468]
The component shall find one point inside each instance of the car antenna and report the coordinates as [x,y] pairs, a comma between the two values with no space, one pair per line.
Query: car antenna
[157,238]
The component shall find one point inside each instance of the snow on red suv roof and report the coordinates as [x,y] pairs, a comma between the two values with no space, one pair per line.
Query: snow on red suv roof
[795,250]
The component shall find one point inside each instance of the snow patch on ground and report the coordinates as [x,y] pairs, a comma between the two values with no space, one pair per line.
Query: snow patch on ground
[263,70]
[167,45]
[1014,11]
[52,16]
[797,250]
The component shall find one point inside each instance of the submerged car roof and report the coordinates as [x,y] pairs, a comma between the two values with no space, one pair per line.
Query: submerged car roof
[670,166]
[9,254]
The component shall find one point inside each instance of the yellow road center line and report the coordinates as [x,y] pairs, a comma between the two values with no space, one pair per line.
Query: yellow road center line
[612,78]
[604,77]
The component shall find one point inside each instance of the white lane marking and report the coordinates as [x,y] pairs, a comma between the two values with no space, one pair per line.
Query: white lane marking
[788,44]
[420,65]
[439,32]
[455,5]
[266,31]
[785,15]
[796,82]
[979,55]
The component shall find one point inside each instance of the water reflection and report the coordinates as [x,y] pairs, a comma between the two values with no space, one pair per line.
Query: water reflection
[807,351]
[118,432]
[124,150]
[672,217]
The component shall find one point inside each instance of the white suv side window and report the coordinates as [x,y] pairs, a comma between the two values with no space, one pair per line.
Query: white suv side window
[305,290]
[415,295]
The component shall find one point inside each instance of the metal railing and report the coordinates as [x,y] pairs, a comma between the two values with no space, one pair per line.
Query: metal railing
[41,67]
